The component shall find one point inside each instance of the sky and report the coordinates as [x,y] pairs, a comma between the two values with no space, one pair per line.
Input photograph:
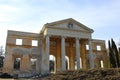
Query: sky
[103,16]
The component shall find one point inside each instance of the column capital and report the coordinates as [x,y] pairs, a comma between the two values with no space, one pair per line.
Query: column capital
[77,38]
[63,36]
[90,39]
[48,35]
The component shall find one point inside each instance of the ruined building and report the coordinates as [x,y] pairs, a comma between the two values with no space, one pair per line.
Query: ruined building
[61,45]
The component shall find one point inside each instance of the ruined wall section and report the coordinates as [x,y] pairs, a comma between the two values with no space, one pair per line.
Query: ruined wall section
[26,39]
[99,49]
[22,49]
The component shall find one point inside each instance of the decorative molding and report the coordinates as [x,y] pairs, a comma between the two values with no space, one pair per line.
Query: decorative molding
[70,25]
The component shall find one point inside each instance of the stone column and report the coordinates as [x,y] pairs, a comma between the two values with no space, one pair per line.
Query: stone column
[78,53]
[63,53]
[47,52]
[90,54]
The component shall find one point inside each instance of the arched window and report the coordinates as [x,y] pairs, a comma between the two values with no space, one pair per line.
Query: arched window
[101,64]
[67,62]
[76,63]
[33,63]
[52,63]
[17,63]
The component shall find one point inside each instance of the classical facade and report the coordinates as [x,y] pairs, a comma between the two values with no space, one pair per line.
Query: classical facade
[61,45]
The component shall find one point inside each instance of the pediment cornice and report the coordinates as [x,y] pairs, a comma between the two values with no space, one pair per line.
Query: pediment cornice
[67,21]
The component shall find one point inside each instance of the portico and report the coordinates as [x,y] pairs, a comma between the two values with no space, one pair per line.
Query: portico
[63,39]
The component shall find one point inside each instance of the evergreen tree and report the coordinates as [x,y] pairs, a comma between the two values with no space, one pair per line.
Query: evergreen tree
[114,55]
[115,52]
[111,56]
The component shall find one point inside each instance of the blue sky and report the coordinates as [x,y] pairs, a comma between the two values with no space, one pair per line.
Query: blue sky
[30,15]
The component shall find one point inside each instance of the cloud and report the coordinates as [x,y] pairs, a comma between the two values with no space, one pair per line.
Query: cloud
[30,15]
[7,8]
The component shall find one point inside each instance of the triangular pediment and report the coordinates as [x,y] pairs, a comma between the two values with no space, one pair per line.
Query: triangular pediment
[69,24]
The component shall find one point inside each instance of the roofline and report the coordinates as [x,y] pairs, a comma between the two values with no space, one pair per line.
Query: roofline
[19,33]
[60,21]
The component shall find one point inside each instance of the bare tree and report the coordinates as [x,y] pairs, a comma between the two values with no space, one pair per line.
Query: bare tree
[1,50]
[1,56]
